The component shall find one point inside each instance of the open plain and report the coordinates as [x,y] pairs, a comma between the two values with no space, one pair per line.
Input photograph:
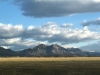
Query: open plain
[50,66]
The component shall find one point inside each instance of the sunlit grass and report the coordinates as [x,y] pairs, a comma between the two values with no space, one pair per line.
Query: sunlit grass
[49,58]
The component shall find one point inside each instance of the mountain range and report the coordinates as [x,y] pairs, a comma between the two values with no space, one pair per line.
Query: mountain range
[43,50]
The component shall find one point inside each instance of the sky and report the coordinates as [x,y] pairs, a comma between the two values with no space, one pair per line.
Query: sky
[69,23]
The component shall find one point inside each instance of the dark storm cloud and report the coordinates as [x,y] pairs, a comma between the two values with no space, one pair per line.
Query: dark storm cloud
[56,8]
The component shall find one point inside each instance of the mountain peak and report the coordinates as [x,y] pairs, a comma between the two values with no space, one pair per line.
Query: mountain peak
[55,45]
[41,45]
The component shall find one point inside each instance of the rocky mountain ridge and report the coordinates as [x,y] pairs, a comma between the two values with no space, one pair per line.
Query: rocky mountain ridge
[44,50]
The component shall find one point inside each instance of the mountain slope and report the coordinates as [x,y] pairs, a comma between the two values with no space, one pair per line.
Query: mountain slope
[7,52]
[43,50]
[39,50]
[53,50]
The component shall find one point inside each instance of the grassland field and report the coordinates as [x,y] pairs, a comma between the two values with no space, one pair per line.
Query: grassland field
[50,66]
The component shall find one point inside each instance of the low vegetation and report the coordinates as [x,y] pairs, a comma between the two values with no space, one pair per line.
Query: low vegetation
[50,66]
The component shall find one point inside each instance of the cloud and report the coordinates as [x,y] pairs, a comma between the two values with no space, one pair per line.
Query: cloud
[92,47]
[92,22]
[10,31]
[18,43]
[67,25]
[18,37]
[52,32]
[56,8]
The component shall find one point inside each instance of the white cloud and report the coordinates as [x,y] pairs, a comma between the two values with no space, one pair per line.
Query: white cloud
[10,31]
[96,1]
[6,47]
[54,33]
[30,27]
[67,25]
[96,29]
[18,43]
[67,45]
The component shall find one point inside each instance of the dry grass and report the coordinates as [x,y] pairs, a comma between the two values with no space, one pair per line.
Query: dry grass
[49,58]
[50,66]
